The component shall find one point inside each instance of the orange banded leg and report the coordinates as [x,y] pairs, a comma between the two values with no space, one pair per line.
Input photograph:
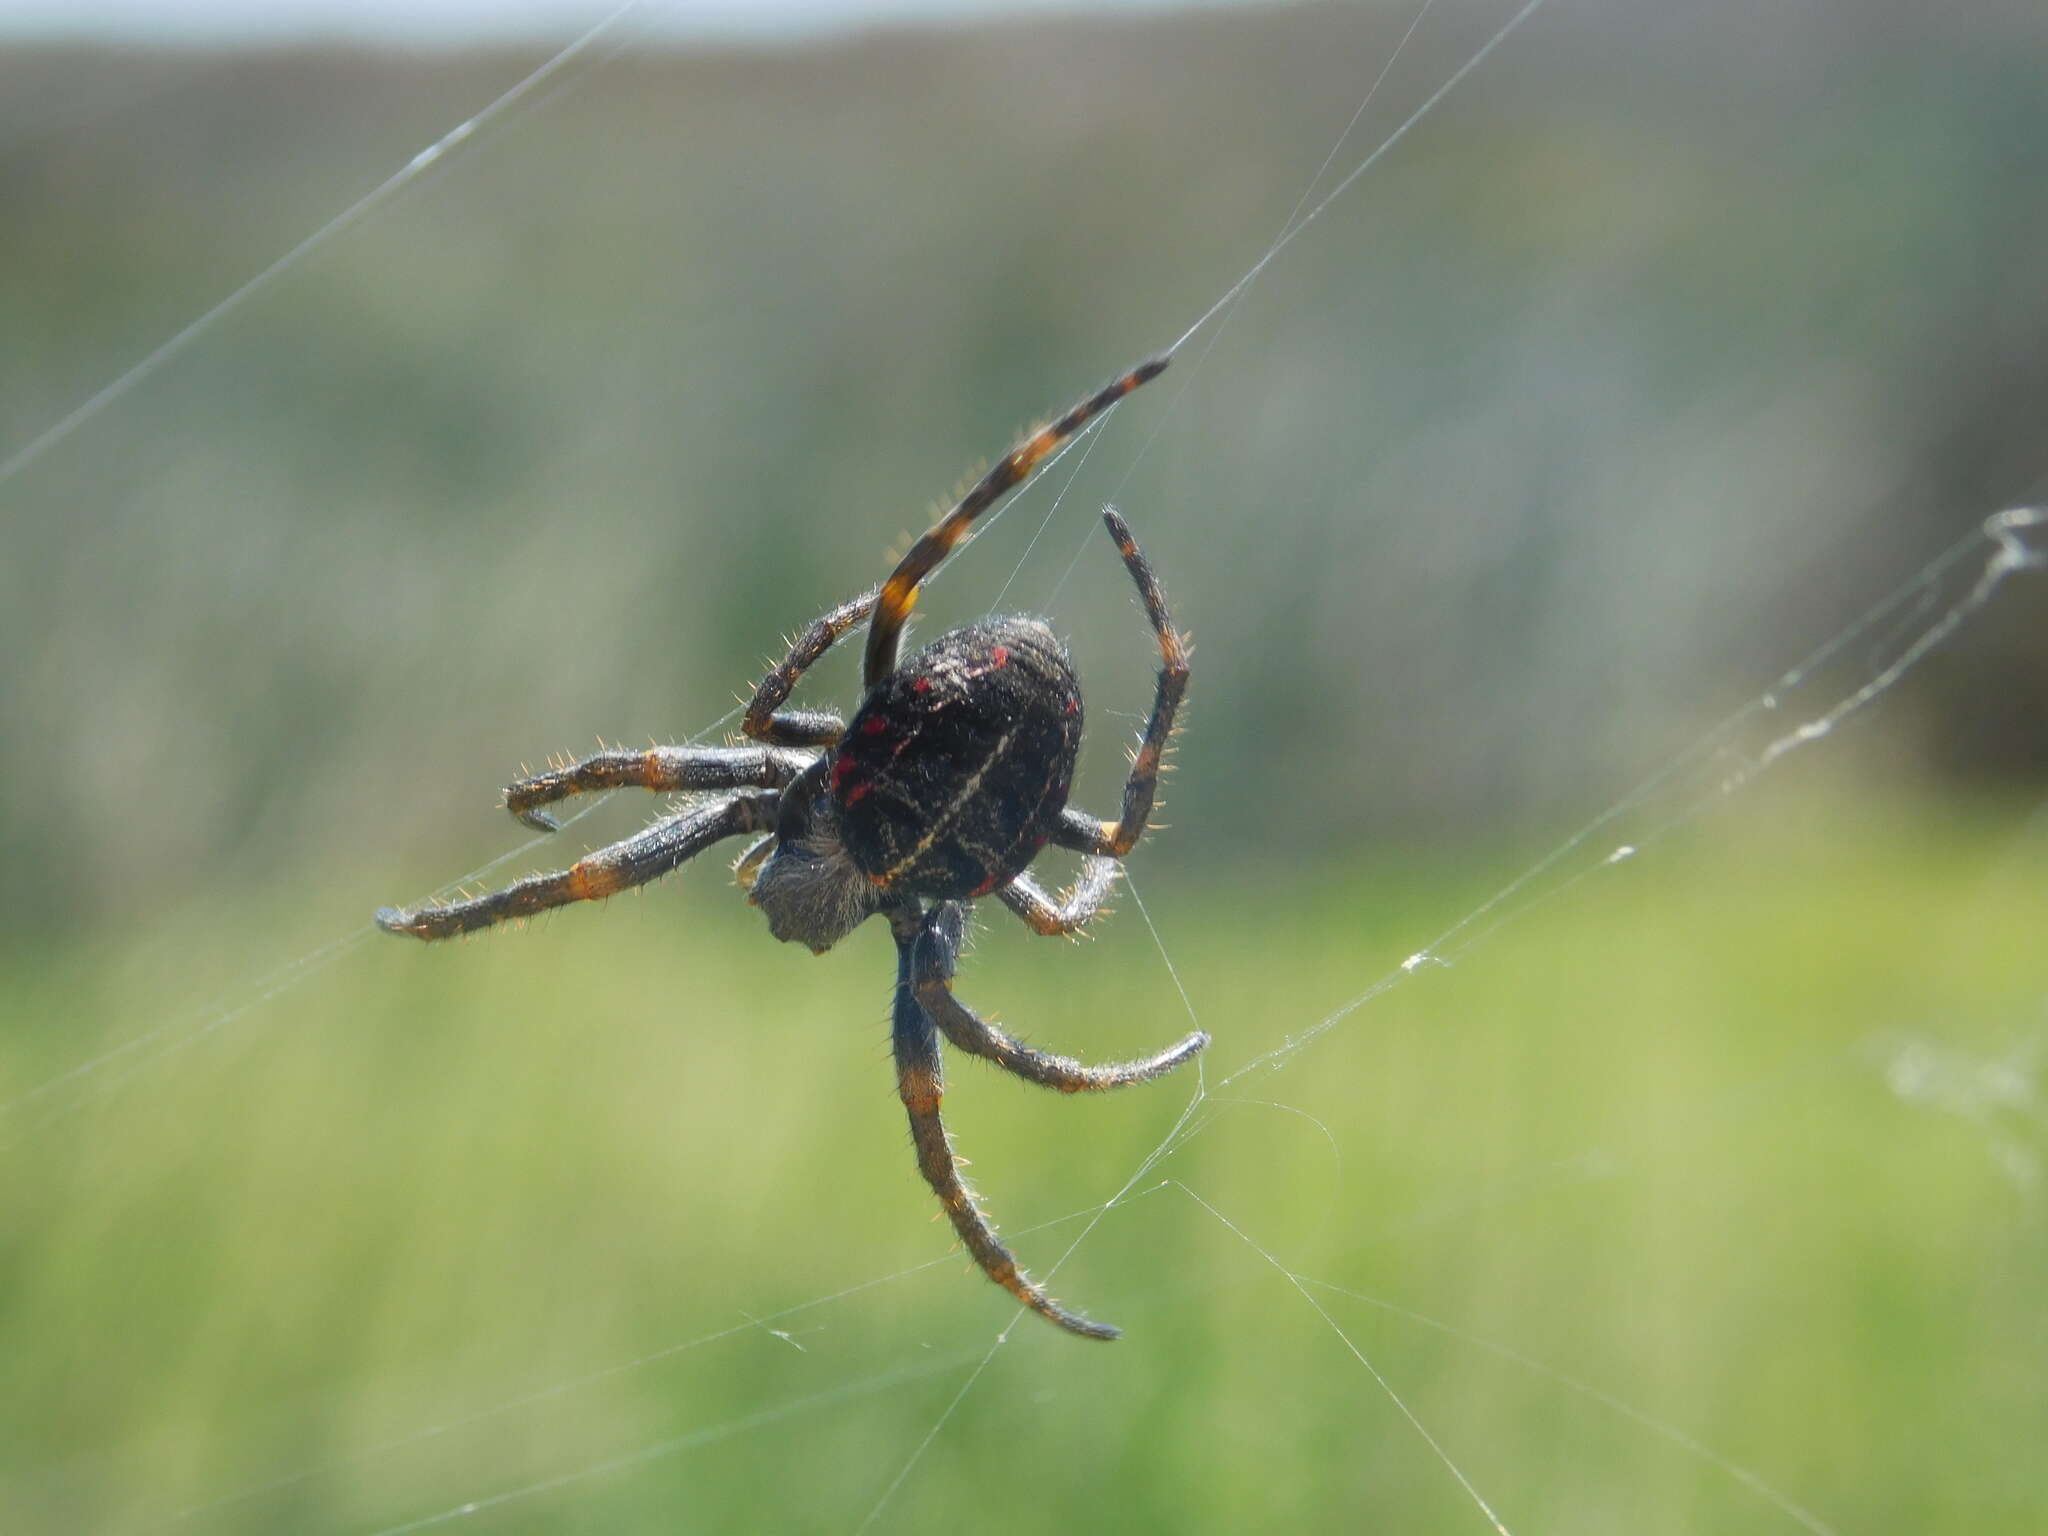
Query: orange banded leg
[1089,834]
[920,1084]
[899,592]
[766,719]
[662,769]
[645,856]
[931,984]
[1071,910]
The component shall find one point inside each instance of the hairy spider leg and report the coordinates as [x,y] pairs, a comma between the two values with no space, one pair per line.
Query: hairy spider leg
[1089,834]
[932,965]
[766,719]
[920,1082]
[646,855]
[899,592]
[1072,909]
[662,769]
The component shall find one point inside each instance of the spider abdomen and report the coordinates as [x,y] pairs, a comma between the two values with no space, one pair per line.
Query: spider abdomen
[953,773]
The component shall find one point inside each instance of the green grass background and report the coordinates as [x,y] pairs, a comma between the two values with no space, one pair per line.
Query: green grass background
[1745,1135]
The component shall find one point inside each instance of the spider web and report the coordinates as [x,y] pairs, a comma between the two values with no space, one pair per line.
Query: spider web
[1801,710]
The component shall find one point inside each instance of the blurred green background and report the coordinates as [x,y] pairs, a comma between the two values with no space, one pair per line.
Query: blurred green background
[1677,338]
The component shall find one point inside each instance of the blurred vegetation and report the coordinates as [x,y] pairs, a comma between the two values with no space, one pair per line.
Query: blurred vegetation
[1749,1137]
[1674,340]
[1672,344]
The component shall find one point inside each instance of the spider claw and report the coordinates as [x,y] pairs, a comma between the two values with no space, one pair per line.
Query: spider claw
[537,819]
[1082,1325]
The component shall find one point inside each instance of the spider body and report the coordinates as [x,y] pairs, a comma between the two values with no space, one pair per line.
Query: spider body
[946,784]
[956,767]
[949,780]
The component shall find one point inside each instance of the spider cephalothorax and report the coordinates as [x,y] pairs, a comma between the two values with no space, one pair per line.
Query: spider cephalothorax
[949,780]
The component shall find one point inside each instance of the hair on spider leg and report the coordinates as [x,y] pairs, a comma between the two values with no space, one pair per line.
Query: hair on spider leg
[948,780]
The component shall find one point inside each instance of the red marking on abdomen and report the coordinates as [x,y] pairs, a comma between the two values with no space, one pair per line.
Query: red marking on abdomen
[921,685]
[1001,655]
[874,725]
[984,888]
[857,793]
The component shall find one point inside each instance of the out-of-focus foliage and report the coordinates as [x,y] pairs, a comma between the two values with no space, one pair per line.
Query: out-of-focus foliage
[1749,1137]
[1674,338]
[1677,337]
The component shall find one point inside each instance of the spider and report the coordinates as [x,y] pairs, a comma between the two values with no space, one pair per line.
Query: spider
[950,778]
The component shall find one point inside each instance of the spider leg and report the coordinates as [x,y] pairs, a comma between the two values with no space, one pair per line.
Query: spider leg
[662,769]
[920,1083]
[899,592]
[1086,833]
[646,855]
[937,948]
[766,719]
[1072,909]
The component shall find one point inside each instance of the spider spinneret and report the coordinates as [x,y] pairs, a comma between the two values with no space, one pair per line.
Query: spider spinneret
[949,780]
